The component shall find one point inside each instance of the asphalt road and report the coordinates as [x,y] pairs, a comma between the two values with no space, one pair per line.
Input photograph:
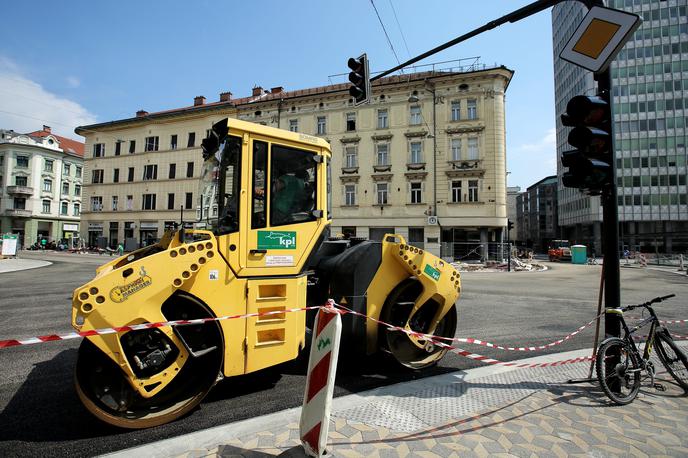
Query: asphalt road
[41,415]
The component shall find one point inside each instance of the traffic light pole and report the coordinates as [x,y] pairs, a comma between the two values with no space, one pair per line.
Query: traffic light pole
[610,221]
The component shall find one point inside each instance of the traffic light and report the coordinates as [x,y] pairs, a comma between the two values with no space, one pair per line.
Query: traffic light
[509,225]
[590,165]
[360,79]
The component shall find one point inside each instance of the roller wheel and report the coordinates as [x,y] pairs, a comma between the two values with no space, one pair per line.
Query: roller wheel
[104,391]
[397,310]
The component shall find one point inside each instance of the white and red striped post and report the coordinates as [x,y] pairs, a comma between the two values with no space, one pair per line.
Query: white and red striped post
[322,366]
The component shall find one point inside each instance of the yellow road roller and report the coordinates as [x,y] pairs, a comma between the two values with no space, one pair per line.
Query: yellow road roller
[260,244]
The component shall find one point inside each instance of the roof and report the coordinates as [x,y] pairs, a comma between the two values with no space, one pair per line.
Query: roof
[284,95]
[547,180]
[69,146]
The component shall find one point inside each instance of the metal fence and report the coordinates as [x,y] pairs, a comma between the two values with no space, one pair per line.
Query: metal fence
[656,259]
[474,251]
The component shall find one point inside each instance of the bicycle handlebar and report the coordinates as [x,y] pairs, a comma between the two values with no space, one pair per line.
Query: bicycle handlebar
[650,302]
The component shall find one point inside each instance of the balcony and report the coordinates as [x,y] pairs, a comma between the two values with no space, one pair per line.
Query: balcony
[20,190]
[466,168]
[18,213]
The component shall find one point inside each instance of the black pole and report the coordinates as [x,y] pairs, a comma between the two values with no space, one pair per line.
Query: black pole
[610,221]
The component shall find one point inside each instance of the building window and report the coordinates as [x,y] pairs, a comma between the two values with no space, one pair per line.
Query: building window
[64,208]
[170,201]
[115,201]
[416,236]
[115,175]
[350,122]
[77,190]
[130,174]
[99,150]
[294,125]
[416,193]
[173,171]
[456,149]
[46,206]
[65,188]
[191,142]
[416,152]
[118,147]
[456,191]
[455,110]
[415,118]
[351,155]
[132,146]
[189,169]
[66,169]
[77,210]
[322,125]
[188,198]
[20,181]
[77,171]
[22,162]
[382,154]
[96,203]
[381,193]
[173,142]
[48,166]
[130,203]
[148,202]
[473,148]
[151,144]
[472,190]
[382,119]
[350,194]
[472,108]
[97,176]
[19,203]
[48,185]
[150,172]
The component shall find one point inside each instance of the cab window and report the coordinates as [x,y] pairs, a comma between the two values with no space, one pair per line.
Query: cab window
[292,186]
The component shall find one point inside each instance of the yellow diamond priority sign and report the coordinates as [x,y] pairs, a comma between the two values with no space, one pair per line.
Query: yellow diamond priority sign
[599,38]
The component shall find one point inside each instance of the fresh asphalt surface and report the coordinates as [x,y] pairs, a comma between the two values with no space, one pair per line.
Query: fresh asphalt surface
[41,415]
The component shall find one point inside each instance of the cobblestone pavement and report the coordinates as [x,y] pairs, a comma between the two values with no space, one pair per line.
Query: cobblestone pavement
[528,412]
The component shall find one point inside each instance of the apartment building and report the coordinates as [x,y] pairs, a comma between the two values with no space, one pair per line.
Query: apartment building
[426,158]
[40,185]
[650,110]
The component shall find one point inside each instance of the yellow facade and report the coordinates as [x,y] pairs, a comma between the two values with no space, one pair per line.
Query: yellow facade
[432,136]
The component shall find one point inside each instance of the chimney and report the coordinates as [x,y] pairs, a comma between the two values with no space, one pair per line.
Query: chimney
[200,100]
[141,114]
[46,128]
[225,96]
[257,91]
[277,90]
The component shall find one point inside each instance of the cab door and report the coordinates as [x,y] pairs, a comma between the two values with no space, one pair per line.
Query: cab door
[286,200]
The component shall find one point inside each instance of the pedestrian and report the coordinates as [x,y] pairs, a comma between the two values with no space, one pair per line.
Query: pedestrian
[120,249]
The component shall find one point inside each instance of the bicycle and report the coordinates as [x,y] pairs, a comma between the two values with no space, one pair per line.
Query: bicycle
[619,362]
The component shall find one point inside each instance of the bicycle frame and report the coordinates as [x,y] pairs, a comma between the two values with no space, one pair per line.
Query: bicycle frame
[652,320]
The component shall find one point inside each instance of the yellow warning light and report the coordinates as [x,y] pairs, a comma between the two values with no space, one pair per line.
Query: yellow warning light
[596,37]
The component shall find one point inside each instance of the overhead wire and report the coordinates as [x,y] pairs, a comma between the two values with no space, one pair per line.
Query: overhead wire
[386,34]
[399,26]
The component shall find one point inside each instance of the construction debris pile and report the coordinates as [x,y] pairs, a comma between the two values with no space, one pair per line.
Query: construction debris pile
[517,265]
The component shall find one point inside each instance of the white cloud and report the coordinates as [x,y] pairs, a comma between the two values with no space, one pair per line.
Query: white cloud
[548,143]
[25,105]
[73,81]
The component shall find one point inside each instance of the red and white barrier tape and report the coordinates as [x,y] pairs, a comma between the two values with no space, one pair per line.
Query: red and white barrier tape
[137,327]
[471,340]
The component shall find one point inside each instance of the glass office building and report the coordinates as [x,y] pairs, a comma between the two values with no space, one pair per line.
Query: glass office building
[650,109]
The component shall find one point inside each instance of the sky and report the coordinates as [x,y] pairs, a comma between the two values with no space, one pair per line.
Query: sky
[73,63]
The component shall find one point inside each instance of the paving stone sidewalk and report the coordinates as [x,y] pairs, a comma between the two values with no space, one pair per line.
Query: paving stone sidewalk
[527,412]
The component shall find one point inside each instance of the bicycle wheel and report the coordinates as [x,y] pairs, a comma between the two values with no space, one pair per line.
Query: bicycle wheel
[618,370]
[672,357]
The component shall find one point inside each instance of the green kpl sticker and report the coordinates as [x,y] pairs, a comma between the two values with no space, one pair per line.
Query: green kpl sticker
[276,240]
[431,272]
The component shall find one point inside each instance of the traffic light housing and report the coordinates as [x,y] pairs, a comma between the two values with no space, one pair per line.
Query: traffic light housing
[590,165]
[509,225]
[360,80]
